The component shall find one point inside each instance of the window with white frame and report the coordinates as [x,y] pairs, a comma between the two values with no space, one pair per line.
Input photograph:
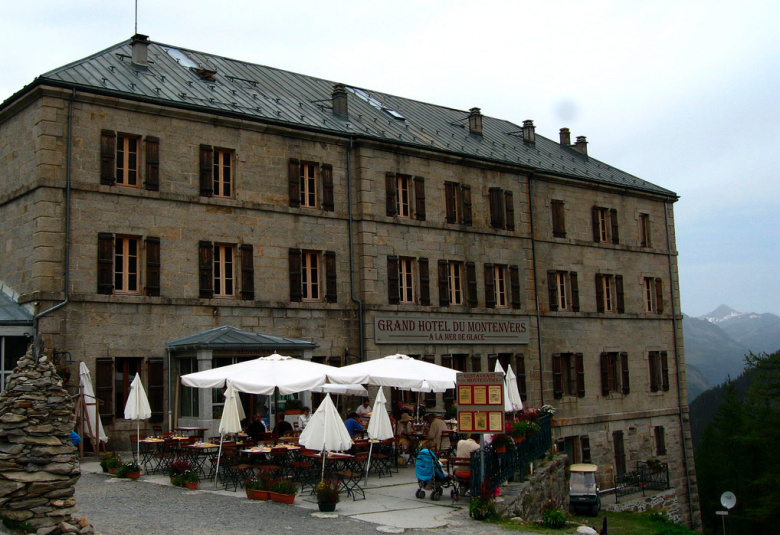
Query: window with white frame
[224,270]
[310,275]
[455,283]
[223,173]
[406,280]
[308,186]
[563,290]
[127,160]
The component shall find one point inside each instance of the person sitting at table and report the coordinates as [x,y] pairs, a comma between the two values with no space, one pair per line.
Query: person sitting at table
[283,427]
[403,430]
[464,449]
[436,427]
[401,409]
[257,428]
[303,419]
[364,409]
[353,426]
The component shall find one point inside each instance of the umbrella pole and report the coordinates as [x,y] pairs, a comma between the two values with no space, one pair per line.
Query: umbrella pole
[219,454]
[368,461]
[138,440]
[324,455]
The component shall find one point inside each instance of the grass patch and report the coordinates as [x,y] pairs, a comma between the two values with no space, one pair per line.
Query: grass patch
[626,523]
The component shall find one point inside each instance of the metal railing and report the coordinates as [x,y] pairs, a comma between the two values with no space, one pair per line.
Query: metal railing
[645,478]
[502,467]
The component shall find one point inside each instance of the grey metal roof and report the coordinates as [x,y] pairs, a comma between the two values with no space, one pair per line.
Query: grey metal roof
[267,94]
[13,314]
[229,337]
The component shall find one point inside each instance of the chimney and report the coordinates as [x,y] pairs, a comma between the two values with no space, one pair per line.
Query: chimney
[340,106]
[529,135]
[475,121]
[139,45]
[582,145]
[565,137]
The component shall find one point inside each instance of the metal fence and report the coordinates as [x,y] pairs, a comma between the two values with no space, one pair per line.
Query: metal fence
[502,467]
[645,478]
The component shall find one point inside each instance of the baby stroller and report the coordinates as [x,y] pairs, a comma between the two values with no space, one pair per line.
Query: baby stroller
[430,475]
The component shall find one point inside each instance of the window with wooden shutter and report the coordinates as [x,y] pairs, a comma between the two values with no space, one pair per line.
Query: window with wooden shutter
[514,286]
[444,294]
[327,187]
[557,376]
[308,185]
[552,289]
[419,198]
[620,453]
[425,282]
[476,363]
[294,182]
[599,293]
[105,263]
[104,389]
[471,280]
[393,289]
[126,370]
[247,272]
[599,225]
[522,387]
[659,296]
[621,303]
[391,198]
[558,218]
[654,362]
[490,290]
[107,157]
[331,293]
[152,266]
[660,440]
[296,279]
[509,206]
[127,156]
[156,381]
[665,371]
[451,202]
[613,218]
[644,230]
[206,171]
[466,192]
[575,291]
[152,179]
[497,216]
[579,367]
[223,174]
[604,375]
[585,447]
[206,269]
[624,373]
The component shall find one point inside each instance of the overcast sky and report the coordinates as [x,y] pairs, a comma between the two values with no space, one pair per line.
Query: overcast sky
[684,94]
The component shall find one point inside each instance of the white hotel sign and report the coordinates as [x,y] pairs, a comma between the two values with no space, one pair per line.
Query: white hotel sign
[433,330]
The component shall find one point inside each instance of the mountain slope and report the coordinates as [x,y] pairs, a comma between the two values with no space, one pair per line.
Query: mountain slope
[712,351]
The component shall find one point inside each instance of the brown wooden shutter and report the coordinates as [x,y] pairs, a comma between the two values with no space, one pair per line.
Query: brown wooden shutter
[206,171]
[579,367]
[614,221]
[621,298]
[509,205]
[660,440]
[331,291]
[492,358]
[444,294]
[514,282]
[654,362]
[604,375]
[624,372]
[419,198]
[557,376]
[156,381]
[575,291]
[327,187]
[152,179]
[558,219]
[105,273]
[152,266]
[665,371]
[522,387]
[393,288]
[247,272]
[206,269]
[490,286]
[496,208]
[659,296]
[466,204]
[450,200]
[596,224]
[104,389]
[585,446]
[294,182]
[425,282]
[599,293]
[620,453]
[471,280]
[476,363]
[107,157]
[552,289]
[296,280]
[391,199]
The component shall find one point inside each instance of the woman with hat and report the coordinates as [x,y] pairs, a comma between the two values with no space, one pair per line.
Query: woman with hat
[403,430]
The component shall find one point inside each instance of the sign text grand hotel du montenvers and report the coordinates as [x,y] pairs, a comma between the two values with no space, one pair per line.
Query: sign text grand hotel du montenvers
[433,330]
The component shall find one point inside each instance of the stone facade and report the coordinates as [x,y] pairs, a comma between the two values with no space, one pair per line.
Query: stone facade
[51,134]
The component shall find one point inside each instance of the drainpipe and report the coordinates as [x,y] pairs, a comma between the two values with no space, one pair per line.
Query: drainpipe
[68,158]
[536,288]
[352,293]
[677,364]
[170,392]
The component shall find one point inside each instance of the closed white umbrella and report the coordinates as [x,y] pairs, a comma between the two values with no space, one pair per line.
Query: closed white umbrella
[379,426]
[95,425]
[511,387]
[231,419]
[137,408]
[325,431]
[507,401]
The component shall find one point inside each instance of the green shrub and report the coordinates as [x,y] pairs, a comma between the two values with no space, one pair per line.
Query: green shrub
[553,518]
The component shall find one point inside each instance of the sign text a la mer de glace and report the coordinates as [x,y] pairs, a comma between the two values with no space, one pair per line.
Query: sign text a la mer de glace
[437,330]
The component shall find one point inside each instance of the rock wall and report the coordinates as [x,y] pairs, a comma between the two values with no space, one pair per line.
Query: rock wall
[527,500]
[665,501]
[39,466]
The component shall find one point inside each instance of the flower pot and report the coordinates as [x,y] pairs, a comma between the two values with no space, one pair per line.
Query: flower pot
[192,485]
[326,507]
[518,440]
[282,498]
[112,471]
[500,449]
[256,494]
[133,475]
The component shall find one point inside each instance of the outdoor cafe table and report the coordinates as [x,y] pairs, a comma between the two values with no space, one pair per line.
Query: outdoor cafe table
[197,431]
[198,453]
[149,448]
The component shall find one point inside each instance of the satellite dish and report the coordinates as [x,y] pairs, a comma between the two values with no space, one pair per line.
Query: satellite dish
[728,500]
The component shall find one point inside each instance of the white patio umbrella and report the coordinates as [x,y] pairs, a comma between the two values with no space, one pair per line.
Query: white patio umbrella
[507,400]
[330,388]
[231,419]
[379,426]
[137,408]
[95,425]
[399,371]
[325,431]
[511,387]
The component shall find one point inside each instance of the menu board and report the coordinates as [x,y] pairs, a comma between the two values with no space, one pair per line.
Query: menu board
[480,402]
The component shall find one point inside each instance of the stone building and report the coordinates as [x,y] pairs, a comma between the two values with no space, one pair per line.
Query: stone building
[152,196]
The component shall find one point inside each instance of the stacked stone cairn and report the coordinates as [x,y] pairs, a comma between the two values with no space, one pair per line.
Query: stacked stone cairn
[39,466]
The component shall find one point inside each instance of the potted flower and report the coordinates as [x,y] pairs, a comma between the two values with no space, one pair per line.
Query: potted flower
[110,462]
[63,372]
[283,491]
[191,479]
[655,465]
[500,442]
[130,470]
[481,508]
[256,486]
[176,471]
[327,492]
